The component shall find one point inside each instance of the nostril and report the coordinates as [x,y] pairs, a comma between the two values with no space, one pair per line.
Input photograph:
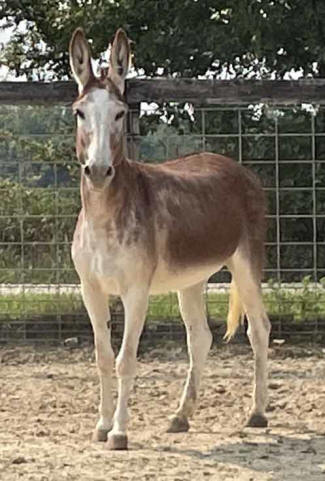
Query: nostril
[87,171]
[109,171]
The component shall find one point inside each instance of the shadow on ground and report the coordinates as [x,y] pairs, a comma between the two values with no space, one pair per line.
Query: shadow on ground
[278,457]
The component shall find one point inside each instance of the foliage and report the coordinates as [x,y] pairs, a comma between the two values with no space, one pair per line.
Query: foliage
[188,37]
[307,302]
[36,227]
[39,185]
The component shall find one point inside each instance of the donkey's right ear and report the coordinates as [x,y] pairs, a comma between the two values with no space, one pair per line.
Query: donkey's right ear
[80,59]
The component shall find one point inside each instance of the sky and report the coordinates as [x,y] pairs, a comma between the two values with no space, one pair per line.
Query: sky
[4,37]
[4,34]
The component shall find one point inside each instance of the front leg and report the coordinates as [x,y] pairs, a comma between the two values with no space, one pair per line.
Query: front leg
[97,306]
[135,303]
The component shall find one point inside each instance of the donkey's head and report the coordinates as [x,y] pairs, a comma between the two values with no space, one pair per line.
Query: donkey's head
[100,108]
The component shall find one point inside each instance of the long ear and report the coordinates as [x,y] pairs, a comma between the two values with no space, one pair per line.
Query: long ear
[80,59]
[120,59]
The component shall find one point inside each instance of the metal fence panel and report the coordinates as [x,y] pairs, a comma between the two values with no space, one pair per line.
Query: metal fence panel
[39,189]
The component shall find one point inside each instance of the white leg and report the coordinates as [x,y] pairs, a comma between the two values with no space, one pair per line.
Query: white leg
[258,333]
[135,306]
[199,339]
[97,306]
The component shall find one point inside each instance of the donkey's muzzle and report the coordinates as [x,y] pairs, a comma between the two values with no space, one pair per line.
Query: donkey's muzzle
[99,175]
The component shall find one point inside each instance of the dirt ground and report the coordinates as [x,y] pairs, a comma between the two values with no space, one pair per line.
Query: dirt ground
[48,409]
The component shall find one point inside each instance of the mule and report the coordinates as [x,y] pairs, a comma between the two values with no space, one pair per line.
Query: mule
[147,229]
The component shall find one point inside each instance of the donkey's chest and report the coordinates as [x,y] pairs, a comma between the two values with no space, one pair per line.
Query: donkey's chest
[97,255]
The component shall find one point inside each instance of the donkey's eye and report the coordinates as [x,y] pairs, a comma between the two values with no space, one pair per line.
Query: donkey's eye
[79,113]
[119,115]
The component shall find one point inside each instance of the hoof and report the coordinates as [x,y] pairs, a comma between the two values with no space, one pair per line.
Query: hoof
[178,425]
[100,435]
[257,421]
[117,442]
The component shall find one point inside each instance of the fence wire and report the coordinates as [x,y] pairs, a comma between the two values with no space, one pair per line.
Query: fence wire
[39,188]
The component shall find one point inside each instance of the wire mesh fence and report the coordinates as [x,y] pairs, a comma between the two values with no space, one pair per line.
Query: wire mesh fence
[39,189]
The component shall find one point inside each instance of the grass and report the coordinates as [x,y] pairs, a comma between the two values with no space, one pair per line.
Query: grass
[301,304]
[27,305]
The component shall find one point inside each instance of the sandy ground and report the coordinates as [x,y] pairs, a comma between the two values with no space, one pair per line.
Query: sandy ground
[48,409]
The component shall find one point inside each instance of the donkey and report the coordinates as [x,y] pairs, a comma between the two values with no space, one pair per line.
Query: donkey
[147,229]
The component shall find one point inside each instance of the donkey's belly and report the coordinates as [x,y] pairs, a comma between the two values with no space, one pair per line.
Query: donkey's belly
[114,270]
[167,279]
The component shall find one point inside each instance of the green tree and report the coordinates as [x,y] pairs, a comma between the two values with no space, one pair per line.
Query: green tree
[188,37]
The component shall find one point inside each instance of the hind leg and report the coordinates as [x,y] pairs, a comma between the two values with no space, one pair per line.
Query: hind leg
[258,332]
[199,339]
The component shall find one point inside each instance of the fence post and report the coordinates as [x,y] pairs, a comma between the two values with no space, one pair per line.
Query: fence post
[133,131]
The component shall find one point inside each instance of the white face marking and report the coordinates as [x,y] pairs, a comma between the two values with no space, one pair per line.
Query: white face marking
[101,120]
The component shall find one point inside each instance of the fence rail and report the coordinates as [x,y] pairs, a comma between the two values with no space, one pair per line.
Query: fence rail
[202,92]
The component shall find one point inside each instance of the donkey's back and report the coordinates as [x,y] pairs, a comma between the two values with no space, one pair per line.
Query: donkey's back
[203,208]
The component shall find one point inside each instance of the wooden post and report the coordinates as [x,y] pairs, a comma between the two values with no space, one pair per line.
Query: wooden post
[133,131]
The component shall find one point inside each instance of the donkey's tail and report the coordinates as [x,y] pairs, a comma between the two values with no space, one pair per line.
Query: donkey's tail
[236,312]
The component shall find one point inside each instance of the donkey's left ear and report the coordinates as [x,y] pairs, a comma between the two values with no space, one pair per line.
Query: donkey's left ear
[120,59]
